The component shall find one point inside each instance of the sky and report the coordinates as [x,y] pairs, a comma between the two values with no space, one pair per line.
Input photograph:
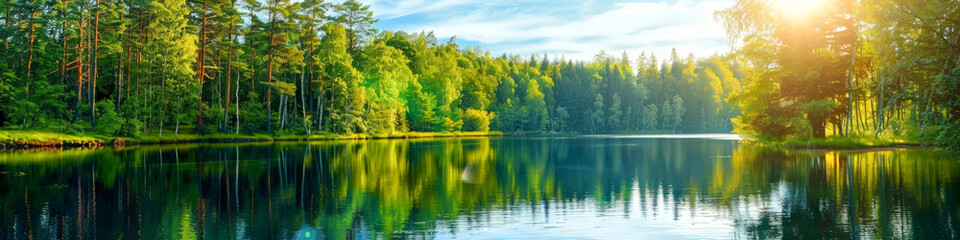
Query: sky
[575,29]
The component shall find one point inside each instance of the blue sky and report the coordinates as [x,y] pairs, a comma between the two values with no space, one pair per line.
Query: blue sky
[574,29]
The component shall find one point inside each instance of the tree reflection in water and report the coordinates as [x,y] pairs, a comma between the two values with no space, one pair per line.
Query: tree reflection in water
[477,187]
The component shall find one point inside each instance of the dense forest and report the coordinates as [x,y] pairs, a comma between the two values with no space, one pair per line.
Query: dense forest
[797,69]
[883,68]
[142,67]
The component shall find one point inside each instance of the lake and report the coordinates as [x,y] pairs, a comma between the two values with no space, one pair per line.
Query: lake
[585,187]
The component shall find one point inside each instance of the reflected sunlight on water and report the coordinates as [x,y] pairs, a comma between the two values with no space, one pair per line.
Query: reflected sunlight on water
[622,186]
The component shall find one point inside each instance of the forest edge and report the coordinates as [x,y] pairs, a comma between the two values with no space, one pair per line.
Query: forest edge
[13,140]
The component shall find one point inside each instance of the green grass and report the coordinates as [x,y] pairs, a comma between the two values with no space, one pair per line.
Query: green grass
[39,138]
[838,142]
[42,139]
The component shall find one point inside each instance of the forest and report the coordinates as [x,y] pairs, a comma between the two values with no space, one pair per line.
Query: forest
[133,68]
[796,69]
[880,68]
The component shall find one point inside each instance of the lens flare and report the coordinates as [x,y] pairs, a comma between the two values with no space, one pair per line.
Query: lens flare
[798,9]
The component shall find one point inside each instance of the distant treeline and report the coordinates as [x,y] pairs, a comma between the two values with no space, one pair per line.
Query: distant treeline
[135,67]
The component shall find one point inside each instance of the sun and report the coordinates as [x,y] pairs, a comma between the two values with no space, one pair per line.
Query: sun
[798,9]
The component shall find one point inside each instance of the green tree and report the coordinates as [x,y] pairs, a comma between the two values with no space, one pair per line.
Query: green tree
[678,110]
[358,21]
[477,120]
[171,52]
[616,114]
[807,54]
[536,107]
[666,115]
[561,119]
[650,117]
[344,97]
[596,117]
[386,78]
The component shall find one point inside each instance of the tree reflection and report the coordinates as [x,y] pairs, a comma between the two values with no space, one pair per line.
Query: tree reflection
[416,188]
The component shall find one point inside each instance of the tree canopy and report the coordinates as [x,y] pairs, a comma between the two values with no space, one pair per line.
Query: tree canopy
[847,67]
[286,67]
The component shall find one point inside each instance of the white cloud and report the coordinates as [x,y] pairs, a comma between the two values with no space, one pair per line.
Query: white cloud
[391,9]
[512,28]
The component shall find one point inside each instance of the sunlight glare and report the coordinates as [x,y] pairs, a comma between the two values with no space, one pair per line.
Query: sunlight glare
[797,9]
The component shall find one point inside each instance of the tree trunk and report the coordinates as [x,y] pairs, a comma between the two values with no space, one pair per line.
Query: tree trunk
[270,70]
[321,109]
[30,59]
[853,61]
[94,68]
[201,53]
[237,106]
[879,112]
[309,90]
[253,70]
[119,82]
[63,38]
[119,85]
[141,39]
[220,124]
[818,126]
[303,104]
[129,62]
[76,117]
[226,109]
[269,80]
[282,109]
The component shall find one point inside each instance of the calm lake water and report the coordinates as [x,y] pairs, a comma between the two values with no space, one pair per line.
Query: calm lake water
[606,187]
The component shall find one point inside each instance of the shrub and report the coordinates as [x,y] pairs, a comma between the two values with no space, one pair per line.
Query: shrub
[802,128]
[477,120]
[202,129]
[109,123]
[252,117]
[133,128]
[381,118]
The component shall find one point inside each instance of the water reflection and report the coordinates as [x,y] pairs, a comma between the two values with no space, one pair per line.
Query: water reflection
[590,187]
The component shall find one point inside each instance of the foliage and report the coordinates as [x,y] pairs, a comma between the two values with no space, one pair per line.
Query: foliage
[477,120]
[109,123]
[852,68]
[171,67]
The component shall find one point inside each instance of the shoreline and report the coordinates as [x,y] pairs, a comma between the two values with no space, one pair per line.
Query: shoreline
[26,140]
[834,143]
[14,140]
[867,149]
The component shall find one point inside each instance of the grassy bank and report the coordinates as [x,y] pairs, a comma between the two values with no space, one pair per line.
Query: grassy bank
[840,143]
[37,139]
[13,139]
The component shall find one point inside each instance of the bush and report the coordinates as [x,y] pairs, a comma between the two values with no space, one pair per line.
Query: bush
[452,126]
[252,117]
[109,123]
[949,137]
[381,119]
[202,130]
[477,120]
[73,128]
[133,128]
[802,128]
[213,114]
